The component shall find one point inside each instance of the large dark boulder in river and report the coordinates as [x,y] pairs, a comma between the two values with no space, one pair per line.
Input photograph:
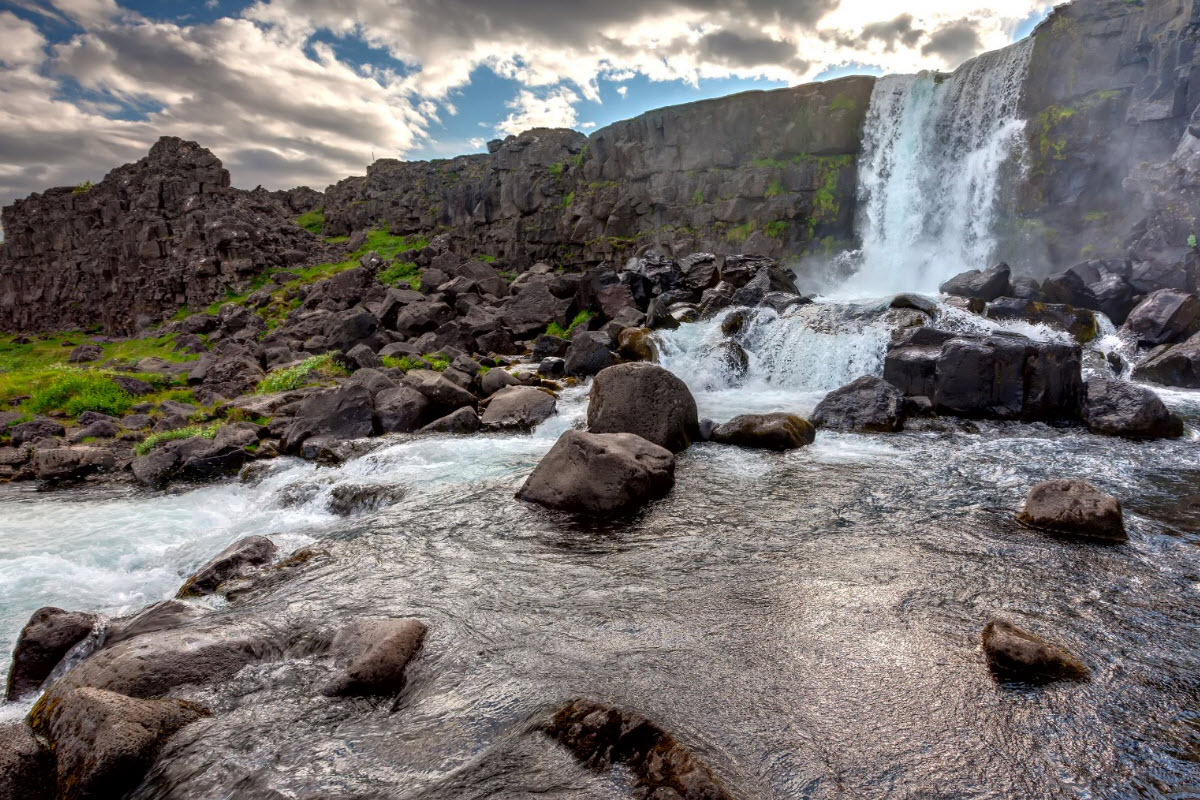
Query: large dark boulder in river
[1098,285]
[1079,322]
[1016,655]
[463,421]
[600,473]
[1117,408]
[589,353]
[1177,365]
[26,767]
[868,405]
[519,408]
[777,431]
[400,410]
[602,737]
[104,743]
[237,560]
[1165,317]
[443,394]
[646,400]
[378,652]
[46,638]
[1074,508]
[345,412]
[986,285]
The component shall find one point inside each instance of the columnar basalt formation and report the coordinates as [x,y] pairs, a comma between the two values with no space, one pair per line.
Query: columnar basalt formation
[165,232]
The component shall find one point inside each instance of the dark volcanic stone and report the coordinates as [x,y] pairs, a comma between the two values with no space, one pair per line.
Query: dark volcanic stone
[986,285]
[1014,654]
[462,421]
[1177,365]
[600,473]
[1117,408]
[646,400]
[1165,317]
[766,432]
[384,650]
[589,353]
[26,767]
[519,408]
[45,639]
[1074,508]
[346,412]
[868,404]
[234,561]
[603,736]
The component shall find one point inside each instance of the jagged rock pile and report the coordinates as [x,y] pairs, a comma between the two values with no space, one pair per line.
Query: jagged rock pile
[165,232]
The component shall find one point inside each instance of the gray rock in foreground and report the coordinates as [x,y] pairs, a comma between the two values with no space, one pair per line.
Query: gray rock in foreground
[645,400]
[1074,508]
[1014,654]
[600,473]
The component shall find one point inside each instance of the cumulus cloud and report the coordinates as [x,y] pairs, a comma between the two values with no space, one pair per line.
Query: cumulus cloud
[275,96]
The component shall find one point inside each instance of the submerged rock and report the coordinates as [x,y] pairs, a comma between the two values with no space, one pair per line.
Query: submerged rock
[1074,508]
[379,652]
[1117,408]
[26,767]
[645,400]
[1014,654]
[237,560]
[766,432]
[603,736]
[519,408]
[600,473]
[349,499]
[869,405]
[46,638]
[104,743]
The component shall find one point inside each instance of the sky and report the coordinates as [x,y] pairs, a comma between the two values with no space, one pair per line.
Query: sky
[306,92]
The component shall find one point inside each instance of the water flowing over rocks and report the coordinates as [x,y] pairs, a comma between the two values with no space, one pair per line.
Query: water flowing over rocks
[518,408]
[600,473]
[235,561]
[1014,654]
[1074,508]
[379,653]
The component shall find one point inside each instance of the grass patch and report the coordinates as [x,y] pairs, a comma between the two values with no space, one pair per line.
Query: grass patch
[75,391]
[554,329]
[843,103]
[437,362]
[740,233]
[486,259]
[83,188]
[775,189]
[190,432]
[405,363]
[568,200]
[308,372]
[776,229]
[405,271]
[313,221]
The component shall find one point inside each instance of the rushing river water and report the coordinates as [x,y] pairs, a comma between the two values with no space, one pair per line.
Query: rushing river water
[808,622]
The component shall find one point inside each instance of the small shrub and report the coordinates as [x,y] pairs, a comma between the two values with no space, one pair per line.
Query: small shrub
[568,200]
[554,329]
[775,189]
[83,188]
[437,362]
[287,379]
[313,221]
[154,440]
[401,271]
[486,259]
[776,229]
[698,198]
[1192,241]
[76,391]
[557,170]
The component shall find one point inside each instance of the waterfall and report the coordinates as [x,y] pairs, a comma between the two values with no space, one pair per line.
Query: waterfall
[936,150]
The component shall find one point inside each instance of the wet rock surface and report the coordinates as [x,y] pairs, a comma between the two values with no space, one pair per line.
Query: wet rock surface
[47,637]
[237,560]
[766,432]
[1016,655]
[645,400]
[379,653]
[1074,508]
[868,404]
[1117,408]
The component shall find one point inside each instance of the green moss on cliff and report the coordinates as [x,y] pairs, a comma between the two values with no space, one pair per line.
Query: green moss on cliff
[313,221]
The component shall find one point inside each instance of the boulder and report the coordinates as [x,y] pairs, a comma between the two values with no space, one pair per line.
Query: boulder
[533,309]
[1097,285]
[600,473]
[914,302]
[1079,322]
[1117,408]
[602,737]
[34,430]
[85,353]
[519,408]
[100,429]
[646,400]
[462,421]
[637,344]
[361,357]
[71,463]
[1165,317]
[46,638]
[26,767]
[547,346]
[380,652]
[766,432]
[1074,508]
[868,405]
[156,468]
[589,353]
[986,285]
[350,499]
[160,616]
[443,394]
[495,380]
[341,413]
[236,561]
[400,410]
[1177,365]
[104,743]
[1016,655]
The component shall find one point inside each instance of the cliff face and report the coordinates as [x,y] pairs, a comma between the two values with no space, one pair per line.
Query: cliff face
[765,172]
[1109,94]
[151,237]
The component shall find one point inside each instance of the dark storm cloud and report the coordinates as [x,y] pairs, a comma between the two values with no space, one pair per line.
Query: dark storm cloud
[955,42]
[737,50]
[899,31]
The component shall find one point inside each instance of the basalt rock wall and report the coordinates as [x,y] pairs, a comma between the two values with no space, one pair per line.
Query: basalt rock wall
[162,233]
[1111,88]
[766,172]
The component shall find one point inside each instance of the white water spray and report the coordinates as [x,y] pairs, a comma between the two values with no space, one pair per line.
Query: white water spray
[936,149]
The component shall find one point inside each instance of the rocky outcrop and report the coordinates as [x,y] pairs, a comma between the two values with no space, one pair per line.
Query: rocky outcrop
[153,236]
[600,473]
[1074,508]
[1016,655]
[46,638]
[1177,365]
